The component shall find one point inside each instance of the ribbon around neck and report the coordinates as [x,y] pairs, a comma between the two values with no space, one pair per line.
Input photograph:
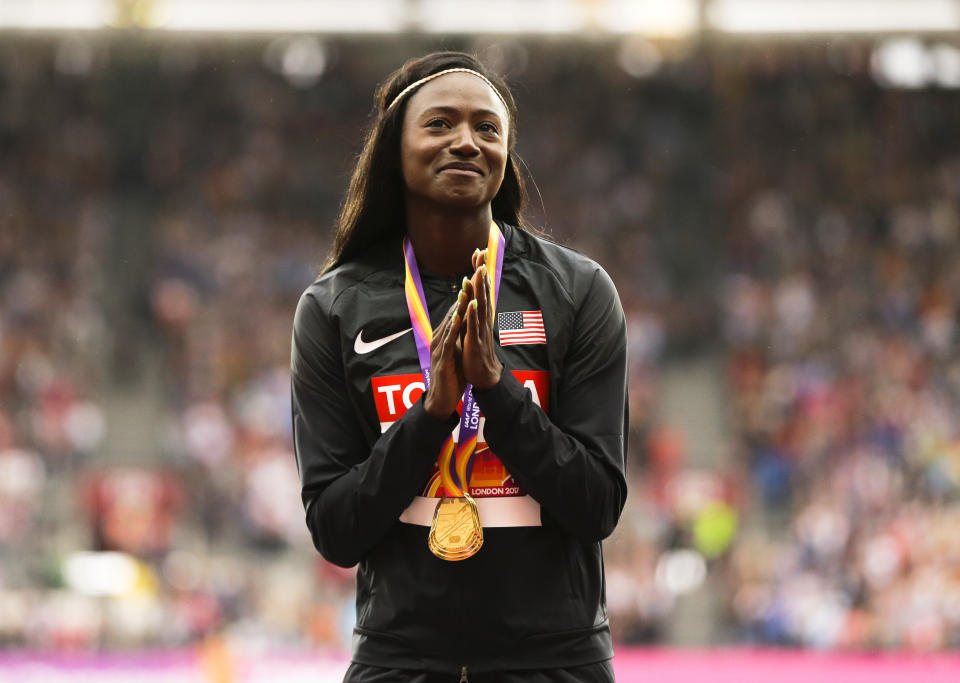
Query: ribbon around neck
[456,458]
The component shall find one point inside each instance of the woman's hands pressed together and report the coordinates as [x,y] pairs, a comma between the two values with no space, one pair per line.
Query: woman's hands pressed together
[481,367]
[446,374]
[463,349]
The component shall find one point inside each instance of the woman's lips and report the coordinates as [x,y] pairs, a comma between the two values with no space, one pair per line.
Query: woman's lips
[461,169]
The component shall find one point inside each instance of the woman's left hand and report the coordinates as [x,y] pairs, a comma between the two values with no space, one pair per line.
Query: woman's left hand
[481,367]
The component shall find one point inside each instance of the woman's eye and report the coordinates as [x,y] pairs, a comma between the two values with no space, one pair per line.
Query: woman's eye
[487,128]
[436,123]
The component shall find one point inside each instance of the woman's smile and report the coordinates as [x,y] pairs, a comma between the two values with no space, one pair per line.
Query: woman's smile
[461,168]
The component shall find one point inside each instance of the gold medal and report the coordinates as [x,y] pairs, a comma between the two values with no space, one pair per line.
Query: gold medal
[456,533]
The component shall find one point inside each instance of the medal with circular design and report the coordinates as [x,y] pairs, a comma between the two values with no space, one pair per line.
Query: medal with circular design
[456,533]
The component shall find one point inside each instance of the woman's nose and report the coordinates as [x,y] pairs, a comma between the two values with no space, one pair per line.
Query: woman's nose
[463,142]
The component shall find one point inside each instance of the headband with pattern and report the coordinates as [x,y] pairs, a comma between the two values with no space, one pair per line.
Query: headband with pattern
[426,79]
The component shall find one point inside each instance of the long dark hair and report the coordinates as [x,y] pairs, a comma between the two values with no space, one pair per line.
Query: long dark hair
[374,206]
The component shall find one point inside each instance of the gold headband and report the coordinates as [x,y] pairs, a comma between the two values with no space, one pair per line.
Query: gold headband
[426,79]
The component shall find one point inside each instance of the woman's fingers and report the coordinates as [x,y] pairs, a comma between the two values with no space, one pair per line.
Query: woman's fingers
[478,313]
[468,291]
[455,329]
[479,258]
[483,298]
[453,326]
[440,333]
[462,303]
[472,326]
[445,336]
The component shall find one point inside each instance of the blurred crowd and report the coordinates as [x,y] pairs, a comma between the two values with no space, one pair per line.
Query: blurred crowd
[840,300]
[164,206]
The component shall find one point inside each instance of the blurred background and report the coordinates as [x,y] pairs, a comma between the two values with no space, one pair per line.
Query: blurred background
[774,186]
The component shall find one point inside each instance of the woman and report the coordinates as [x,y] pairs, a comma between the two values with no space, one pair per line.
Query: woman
[479,555]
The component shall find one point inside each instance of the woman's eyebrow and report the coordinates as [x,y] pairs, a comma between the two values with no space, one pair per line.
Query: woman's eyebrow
[443,109]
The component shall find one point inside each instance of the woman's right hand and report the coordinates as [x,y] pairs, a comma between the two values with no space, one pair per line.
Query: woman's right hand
[446,372]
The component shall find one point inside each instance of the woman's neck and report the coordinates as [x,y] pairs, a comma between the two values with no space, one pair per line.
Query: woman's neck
[444,242]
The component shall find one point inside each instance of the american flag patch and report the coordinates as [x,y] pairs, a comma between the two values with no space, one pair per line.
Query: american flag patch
[521,327]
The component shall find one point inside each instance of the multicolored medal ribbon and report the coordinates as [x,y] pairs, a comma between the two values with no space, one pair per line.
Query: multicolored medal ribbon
[456,532]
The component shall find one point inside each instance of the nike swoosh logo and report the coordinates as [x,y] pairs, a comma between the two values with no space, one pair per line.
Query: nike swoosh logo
[361,347]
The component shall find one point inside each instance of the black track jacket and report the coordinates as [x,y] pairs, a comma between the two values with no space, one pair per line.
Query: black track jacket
[534,596]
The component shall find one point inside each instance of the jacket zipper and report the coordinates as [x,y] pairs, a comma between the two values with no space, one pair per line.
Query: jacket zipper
[463,675]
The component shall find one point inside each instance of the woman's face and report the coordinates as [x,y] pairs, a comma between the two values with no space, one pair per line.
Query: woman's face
[453,147]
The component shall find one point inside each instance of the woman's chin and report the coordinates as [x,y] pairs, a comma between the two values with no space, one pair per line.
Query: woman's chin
[460,201]
[451,197]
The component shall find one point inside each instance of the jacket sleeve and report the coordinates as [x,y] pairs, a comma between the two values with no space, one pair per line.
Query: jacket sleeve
[572,463]
[352,491]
